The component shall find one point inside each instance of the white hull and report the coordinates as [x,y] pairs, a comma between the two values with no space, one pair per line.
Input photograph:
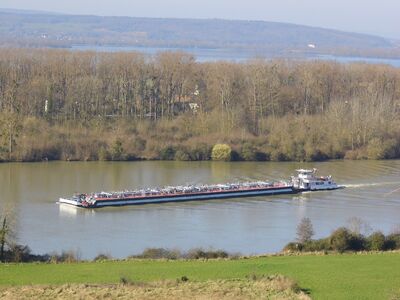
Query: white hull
[68,201]
[324,187]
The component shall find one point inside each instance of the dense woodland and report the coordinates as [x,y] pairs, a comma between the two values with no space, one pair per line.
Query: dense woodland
[68,105]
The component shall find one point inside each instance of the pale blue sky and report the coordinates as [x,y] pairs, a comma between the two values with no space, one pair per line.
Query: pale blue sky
[380,17]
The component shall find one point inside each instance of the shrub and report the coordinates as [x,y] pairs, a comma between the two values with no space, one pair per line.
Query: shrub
[308,246]
[282,283]
[49,153]
[117,151]
[278,155]
[167,153]
[18,253]
[154,253]
[316,245]
[235,156]
[351,154]
[293,247]
[378,149]
[198,253]
[182,155]
[200,152]
[102,257]
[357,242]
[68,152]
[103,154]
[393,241]
[159,253]
[124,280]
[221,152]
[340,239]
[68,257]
[375,149]
[317,155]
[139,144]
[376,241]
[248,152]
[261,156]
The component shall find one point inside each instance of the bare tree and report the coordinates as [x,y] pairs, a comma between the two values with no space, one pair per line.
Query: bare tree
[358,226]
[7,233]
[10,127]
[4,233]
[305,230]
[395,229]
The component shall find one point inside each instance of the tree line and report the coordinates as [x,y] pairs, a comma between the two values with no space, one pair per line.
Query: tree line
[355,237]
[57,104]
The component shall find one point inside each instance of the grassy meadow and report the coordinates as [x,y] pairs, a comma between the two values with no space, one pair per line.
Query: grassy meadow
[336,276]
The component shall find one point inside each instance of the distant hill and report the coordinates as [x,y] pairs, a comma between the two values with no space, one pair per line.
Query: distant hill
[25,11]
[27,28]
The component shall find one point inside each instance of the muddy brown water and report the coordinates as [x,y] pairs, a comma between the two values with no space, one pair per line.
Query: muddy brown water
[247,225]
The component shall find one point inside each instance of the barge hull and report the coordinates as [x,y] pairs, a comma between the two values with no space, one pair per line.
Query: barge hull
[182,198]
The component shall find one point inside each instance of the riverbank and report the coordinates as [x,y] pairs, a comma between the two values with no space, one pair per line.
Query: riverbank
[290,138]
[335,276]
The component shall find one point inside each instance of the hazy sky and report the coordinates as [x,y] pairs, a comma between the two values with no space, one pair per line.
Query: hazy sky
[380,17]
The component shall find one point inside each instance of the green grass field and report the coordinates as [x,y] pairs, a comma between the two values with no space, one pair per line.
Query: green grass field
[347,276]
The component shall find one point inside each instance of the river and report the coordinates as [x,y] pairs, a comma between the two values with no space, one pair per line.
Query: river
[247,225]
[236,55]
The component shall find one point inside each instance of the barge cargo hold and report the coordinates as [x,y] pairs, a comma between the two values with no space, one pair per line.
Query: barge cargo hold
[304,181]
[178,194]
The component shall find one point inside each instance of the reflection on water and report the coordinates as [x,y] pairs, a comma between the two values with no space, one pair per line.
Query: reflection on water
[71,212]
[247,225]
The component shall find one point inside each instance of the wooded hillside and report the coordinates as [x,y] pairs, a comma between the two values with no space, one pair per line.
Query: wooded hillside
[39,29]
[87,106]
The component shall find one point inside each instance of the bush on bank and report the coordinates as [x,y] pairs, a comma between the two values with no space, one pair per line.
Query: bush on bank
[196,253]
[20,253]
[221,152]
[342,240]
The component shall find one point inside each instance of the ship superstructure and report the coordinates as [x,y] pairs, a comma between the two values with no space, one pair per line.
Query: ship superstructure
[307,180]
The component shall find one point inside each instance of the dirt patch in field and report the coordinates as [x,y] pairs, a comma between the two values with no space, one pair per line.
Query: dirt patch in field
[276,287]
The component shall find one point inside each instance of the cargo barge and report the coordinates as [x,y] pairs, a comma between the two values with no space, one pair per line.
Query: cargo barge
[306,180]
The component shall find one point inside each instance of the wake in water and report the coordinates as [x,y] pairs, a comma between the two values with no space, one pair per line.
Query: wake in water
[357,185]
[375,184]
[392,192]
